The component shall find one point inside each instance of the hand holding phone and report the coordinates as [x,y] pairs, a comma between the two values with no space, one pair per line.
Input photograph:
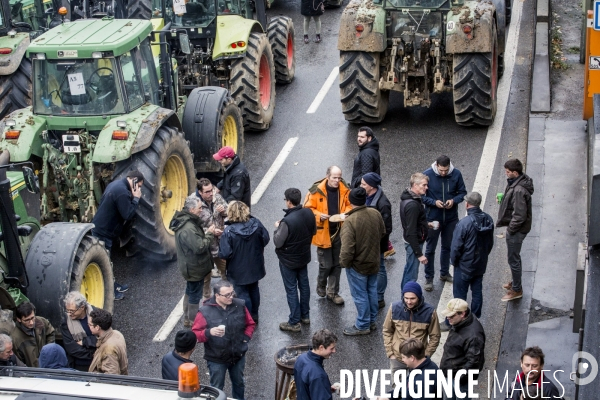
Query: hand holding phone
[135,189]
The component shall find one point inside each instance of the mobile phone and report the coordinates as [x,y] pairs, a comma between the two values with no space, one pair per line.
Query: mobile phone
[135,181]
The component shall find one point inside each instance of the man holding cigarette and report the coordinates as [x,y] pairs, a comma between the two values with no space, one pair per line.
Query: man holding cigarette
[225,326]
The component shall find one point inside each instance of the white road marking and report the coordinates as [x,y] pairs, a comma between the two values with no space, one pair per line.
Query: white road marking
[170,323]
[490,148]
[266,180]
[321,95]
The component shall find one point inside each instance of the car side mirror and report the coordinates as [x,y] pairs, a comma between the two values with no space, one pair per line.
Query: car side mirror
[31,181]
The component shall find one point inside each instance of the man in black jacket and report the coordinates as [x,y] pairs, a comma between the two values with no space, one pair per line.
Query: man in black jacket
[465,345]
[292,239]
[185,344]
[235,185]
[78,341]
[472,242]
[532,381]
[367,159]
[515,214]
[414,225]
[371,182]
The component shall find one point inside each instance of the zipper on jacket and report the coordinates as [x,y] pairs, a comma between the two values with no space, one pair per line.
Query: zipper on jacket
[444,201]
[410,323]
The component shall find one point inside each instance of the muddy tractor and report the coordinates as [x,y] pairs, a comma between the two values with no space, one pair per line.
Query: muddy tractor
[104,104]
[421,48]
[223,45]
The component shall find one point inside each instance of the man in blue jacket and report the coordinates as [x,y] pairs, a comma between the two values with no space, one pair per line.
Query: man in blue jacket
[312,382]
[446,190]
[472,243]
[413,355]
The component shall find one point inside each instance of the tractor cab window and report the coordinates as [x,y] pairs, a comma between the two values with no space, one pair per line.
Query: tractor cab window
[29,14]
[226,7]
[191,13]
[77,87]
[133,75]
[416,3]
[424,24]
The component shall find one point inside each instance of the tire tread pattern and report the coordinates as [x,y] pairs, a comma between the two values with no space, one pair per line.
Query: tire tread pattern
[15,89]
[139,9]
[279,30]
[472,78]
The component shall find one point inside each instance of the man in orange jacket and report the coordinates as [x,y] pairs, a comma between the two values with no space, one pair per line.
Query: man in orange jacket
[325,198]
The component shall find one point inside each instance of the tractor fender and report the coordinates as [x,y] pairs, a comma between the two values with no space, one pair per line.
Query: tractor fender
[10,62]
[500,24]
[201,125]
[232,29]
[480,16]
[30,140]
[372,18]
[49,263]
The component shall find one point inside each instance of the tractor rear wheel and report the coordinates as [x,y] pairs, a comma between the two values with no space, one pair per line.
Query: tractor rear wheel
[252,83]
[15,89]
[92,273]
[139,9]
[475,82]
[231,127]
[168,169]
[281,37]
[362,100]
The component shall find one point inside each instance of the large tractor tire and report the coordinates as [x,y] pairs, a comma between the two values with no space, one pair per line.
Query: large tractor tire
[139,9]
[15,89]
[475,79]
[168,169]
[281,37]
[362,100]
[252,83]
[208,131]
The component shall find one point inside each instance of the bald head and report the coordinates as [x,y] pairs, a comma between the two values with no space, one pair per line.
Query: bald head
[334,176]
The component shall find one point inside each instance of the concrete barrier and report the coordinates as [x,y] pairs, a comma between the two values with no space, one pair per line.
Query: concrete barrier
[540,81]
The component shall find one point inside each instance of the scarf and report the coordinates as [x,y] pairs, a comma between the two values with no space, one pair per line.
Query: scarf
[75,326]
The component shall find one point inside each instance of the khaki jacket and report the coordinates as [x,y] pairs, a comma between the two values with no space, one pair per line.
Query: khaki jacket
[361,233]
[111,354]
[28,347]
[210,216]
[316,200]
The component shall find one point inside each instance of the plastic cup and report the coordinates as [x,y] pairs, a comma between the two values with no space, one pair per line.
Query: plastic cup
[499,197]
[435,225]
[337,387]
[222,327]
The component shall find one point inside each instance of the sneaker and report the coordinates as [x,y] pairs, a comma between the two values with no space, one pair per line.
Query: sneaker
[305,321]
[336,299]
[119,295]
[121,288]
[373,326]
[512,295]
[508,286]
[187,323]
[321,291]
[381,304]
[318,39]
[446,278]
[215,273]
[285,326]
[389,253]
[306,39]
[428,285]
[354,331]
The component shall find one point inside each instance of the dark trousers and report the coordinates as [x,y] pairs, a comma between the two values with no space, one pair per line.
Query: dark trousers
[460,288]
[194,291]
[446,230]
[514,243]
[250,294]
[381,278]
[329,266]
[294,281]
[236,374]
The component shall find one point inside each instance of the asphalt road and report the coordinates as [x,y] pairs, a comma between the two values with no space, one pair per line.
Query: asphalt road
[410,140]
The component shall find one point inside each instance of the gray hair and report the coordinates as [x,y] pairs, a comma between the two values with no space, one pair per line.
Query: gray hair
[417,178]
[191,201]
[75,298]
[4,340]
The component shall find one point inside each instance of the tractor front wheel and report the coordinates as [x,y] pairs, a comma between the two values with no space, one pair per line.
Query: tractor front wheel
[281,37]
[15,89]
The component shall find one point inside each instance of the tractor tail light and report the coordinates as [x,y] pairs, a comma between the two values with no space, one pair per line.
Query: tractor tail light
[241,44]
[360,28]
[233,45]
[467,29]
[189,382]
[120,135]
[5,50]
[12,134]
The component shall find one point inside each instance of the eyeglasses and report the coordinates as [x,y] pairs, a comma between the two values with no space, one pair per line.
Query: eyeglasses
[228,295]
[28,319]
[75,310]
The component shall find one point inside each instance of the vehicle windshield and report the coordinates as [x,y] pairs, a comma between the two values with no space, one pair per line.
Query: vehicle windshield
[30,12]
[428,24]
[77,87]
[415,3]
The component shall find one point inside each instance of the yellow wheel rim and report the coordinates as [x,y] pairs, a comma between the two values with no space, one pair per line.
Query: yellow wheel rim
[92,285]
[230,133]
[173,189]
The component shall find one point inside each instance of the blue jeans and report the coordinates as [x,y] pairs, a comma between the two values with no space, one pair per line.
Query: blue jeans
[236,374]
[464,390]
[363,289]
[295,280]
[381,279]
[460,288]
[411,269]
[250,294]
[446,230]
[194,291]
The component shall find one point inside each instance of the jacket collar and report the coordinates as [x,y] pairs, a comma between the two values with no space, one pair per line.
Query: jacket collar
[235,162]
[465,322]
[28,332]
[473,210]
[288,211]
[104,336]
[356,209]
[315,357]
[177,356]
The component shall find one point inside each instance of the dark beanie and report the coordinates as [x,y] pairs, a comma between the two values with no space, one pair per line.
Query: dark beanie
[185,341]
[372,179]
[358,196]
[413,287]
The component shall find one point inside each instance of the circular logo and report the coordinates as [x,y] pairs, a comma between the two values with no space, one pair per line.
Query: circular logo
[583,364]
[450,25]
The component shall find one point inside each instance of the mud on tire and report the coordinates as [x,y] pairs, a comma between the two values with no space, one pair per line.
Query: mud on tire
[139,9]
[362,100]
[167,157]
[281,37]
[15,89]
[252,83]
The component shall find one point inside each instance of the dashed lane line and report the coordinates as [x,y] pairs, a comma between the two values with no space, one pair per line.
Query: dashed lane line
[321,95]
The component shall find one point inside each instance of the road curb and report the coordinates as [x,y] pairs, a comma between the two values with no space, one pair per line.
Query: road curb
[540,83]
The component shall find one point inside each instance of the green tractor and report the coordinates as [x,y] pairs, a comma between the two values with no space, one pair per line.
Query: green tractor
[225,46]
[104,104]
[45,263]
[420,48]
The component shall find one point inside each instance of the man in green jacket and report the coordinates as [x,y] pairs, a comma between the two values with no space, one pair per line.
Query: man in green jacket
[193,253]
[30,334]
[361,233]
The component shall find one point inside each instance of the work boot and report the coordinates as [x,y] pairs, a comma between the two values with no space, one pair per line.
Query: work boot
[512,295]
[119,295]
[306,39]
[215,273]
[428,285]
[318,38]
[373,326]
[354,331]
[321,291]
[186,320]
[305,321]
[381,304]
[336,299]
[508,286]
[446,278]
[285,326]
[390,250]
[192,311]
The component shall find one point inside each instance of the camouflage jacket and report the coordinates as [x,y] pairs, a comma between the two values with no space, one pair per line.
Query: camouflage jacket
[210,216]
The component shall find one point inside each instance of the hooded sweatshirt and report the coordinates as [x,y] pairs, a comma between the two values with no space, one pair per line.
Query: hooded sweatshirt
[414,221]
[515,209]
[193,246]
[242,246]
[444,188]
[367,160]
[472,242]
[53,356]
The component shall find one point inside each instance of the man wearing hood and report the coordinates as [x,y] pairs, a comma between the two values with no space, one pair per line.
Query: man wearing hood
[193,253]
[472,242]
[515,214]
[446,190]
[367,159]
[236,182]
[53,356]
[371,182]
[410,317]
